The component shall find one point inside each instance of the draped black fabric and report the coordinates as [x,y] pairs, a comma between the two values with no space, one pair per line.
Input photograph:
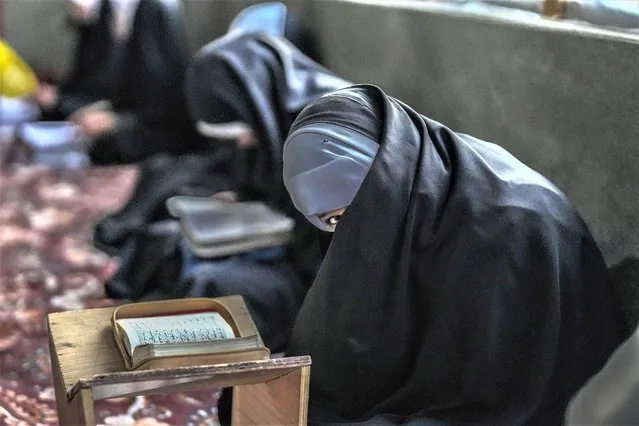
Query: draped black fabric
[92,71]
[301,36]
[148,89]
[617,384]
[460,287]
[266,81]
[625,278]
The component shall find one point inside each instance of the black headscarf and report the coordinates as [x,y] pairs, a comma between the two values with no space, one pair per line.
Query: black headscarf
[263,80]
[460,287]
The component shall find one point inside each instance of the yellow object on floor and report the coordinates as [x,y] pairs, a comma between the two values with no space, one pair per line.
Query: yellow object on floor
[17,79]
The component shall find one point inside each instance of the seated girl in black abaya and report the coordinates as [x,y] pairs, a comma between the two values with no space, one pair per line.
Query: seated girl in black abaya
[203,172]
[126,88]
[246,89]
[460,286]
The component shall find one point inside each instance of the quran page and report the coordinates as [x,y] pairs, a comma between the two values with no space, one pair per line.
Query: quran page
[171,329]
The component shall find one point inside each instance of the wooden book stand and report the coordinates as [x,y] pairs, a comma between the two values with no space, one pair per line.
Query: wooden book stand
[87,367]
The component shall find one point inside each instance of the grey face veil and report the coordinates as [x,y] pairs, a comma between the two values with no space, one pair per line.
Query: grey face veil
[329,150]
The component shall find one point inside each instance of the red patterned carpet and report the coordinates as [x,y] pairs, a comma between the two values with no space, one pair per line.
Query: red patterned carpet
[47,264]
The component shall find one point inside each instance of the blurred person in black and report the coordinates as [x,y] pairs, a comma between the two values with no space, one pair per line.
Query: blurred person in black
[125,88]
[202,173]
[244,91]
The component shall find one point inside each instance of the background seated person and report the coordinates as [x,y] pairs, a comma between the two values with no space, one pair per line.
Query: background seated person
[244,91]
[126,87]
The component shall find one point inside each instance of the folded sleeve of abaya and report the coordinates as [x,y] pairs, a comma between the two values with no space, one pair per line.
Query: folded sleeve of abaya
[460,287]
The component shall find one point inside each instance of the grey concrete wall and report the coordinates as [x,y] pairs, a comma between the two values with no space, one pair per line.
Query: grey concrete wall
[37,30]
[565,101]
[208,19]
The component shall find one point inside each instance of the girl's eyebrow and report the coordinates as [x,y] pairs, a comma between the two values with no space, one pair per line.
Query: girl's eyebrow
[324,216]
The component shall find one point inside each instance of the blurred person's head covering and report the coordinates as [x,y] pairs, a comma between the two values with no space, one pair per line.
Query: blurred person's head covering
[257,82]
[221,109]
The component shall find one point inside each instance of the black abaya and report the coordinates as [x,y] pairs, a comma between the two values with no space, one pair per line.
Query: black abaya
[460,287]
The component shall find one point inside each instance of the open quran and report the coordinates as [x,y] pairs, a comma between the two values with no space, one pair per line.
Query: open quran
[186,332]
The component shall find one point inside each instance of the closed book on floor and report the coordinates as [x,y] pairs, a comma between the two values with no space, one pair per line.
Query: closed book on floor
[186,332]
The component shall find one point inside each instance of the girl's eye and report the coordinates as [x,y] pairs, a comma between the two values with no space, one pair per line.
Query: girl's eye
[333,220]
